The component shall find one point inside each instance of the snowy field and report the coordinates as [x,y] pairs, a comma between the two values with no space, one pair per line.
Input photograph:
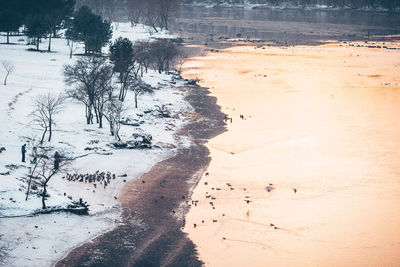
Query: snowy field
[42,239]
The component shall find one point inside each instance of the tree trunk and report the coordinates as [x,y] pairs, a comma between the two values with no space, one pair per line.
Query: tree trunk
[136,96]
[37,43]
[29,187]
[166,67]
[8,37]
[97,115]
[71,48]
[49,48]
[44,195]
[111,129]
[30,178]
[124,94]
[43,135]
[5,79]
[100,120]
[117,136]
[50,130]
[87,115]
[166,22]
[121,92]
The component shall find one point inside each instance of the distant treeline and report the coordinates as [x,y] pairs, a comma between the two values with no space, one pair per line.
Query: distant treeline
[41,18]
[387,4]
[153,13]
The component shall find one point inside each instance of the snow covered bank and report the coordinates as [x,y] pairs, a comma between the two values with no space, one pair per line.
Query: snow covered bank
[40,240]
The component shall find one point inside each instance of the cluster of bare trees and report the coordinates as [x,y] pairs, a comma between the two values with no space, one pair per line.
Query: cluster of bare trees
[160,55]
[164,54]
[93,81]
[109,10]
[132,61]
[154,13]
[90,81]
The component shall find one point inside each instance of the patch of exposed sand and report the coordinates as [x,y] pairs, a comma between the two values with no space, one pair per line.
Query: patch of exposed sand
[323,120]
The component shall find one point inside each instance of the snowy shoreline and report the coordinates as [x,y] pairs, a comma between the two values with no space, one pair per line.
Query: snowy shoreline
[43,239]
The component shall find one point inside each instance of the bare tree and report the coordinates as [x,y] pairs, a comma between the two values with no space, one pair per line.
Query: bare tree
[145,12]
[45,168]
[135,11]
[139,88]
[72,47]
[142,54]
[154,13]
[86,77]
[151,18]
[79,93]
[47,106]
[180,60]
[35,157]
[166,9]
[109,10]
[164,53]
[103,95]
[8,68]
[113,113]
[128,78]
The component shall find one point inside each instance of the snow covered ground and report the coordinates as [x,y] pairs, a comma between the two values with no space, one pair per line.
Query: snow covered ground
[42,239]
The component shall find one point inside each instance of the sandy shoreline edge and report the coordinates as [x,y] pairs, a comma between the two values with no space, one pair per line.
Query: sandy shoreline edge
[154,206]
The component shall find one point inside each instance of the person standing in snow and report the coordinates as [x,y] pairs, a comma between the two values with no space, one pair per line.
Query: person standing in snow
[23,151]
[57,159]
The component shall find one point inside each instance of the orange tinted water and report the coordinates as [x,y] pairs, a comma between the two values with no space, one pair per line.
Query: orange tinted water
[323,120]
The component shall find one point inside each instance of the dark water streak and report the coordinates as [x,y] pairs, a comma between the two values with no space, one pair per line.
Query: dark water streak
[295,25]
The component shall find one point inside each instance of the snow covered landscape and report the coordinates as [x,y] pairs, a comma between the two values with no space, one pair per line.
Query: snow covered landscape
[199,133]
[27,239]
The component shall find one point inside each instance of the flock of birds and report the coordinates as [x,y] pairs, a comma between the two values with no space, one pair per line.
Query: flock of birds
[269,188]
[103,178]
